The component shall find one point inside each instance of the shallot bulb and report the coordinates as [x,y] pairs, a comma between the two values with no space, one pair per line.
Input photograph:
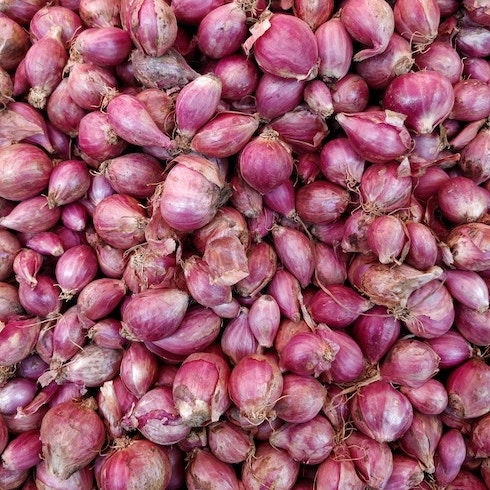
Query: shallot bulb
[378,136]
[225,134]
[269,41]
[145,416]
[204,468]
[203,399]
[152,26]
[373,460]
[222,31]
[468,389]
[266,161]
[469,246]
[104,46]
[26,170]
[120,221]
[206,192]
[417,21]
[373,29]
[310,442]
[45,61]
[154,313]
[335,50]
[381,412]
[132,122]
[271,467]
[426,97]
[72,434]
[409,362]
[189,113]
[397,59]
[134,461]
[382,189]
[254,386]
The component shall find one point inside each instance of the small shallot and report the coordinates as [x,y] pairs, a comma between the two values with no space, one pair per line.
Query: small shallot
[449,457]
[44,64]
[270,467]
[426,97]
[309,442]
[373,460]
[468,389]
[205,469]
[430,398]
[268,41]
[229,442]
[104,46]
[151,24]
[294,409]
[25,170]
[132,462]
[422,438]
[335,50]
[254,386]
[222,31]
[154,313]
[189,113]
[307,354]
[225,134]
[381,412]
[133,123]
[378,136]
[204,398]
[195,206]
[417,21]
[72,434]
[146,417]
[296,252]
[266,161]
[120,220]
[373,29]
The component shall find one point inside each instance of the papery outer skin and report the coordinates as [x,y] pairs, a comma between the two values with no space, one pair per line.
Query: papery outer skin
[156,417]
[206,470]
[470,246]
[479,446]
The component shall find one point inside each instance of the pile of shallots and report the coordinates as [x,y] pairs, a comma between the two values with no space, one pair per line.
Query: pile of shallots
[244,244]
